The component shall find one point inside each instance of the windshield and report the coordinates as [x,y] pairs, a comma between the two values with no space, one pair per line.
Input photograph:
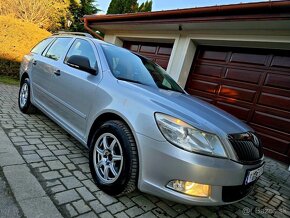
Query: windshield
[133,68]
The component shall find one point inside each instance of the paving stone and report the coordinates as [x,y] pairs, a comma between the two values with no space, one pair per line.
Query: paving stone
[134,211]
[97,206]
[81,206]
[51,175]
[86,195]
[166,208]
[121,215]
[106,215]
[66,196]
[105,199]
[31,158]
[71,166]
[143,202]
[65,172]
[72,212]
[55,165]
[33,141]
[61,152]
[90,185]
[58,188]
[28,147]
[64,159]
[71,182]
[44,153]
[43,169]
[80,175]
[126,201]
[88,215]
[115,208]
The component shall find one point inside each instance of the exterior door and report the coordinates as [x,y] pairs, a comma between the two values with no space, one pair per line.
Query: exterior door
[253,85]
[43,73]
[75,90]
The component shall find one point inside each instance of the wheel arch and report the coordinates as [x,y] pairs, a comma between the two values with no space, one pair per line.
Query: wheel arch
[23,77]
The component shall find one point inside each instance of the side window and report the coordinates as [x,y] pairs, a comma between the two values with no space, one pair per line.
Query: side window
[83,48]
[58,48]
[41,46]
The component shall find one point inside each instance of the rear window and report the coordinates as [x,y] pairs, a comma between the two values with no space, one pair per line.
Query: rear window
[38,49]
[58,48]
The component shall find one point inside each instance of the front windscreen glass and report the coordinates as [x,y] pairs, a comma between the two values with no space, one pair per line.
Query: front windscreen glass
[134,68]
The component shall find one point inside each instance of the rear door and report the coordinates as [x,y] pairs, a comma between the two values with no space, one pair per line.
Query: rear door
[76,89]
[44,73]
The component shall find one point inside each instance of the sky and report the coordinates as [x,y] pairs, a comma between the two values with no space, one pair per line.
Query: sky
[159,5]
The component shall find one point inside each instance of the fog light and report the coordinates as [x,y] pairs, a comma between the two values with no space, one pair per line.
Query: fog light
[190,188]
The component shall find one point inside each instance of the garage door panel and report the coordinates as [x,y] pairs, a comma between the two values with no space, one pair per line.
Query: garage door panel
[273,143]
[240,112]
[237,93]
[205,86]
[249,59]
[271,121]
[164,51]
[280,61]
[243,75]
[213,55]
[253,85]
[278,81]
[207,70]
[203,96]
[276,101]
[159,52]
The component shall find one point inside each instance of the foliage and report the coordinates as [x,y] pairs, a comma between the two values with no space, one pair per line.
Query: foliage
[16,39]
[48,14]
[128,6]
[78,9]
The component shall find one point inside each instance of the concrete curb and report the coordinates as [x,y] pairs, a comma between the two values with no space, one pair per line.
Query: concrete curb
[28,192]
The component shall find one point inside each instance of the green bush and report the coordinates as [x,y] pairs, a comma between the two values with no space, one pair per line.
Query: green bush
[16,39]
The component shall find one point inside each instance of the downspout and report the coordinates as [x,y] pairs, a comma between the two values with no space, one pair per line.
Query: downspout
[91,31]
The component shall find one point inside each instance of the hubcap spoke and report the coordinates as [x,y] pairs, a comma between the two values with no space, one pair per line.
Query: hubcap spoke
[101,163]
[106,172]
[116,157]
[101,152]
[112,168]
[105,142]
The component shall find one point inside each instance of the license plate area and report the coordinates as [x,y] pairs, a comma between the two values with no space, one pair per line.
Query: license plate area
[254,174]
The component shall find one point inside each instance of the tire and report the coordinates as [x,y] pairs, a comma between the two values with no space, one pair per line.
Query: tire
[120,142]
[24,102]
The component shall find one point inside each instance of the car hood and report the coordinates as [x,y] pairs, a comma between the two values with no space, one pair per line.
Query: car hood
[192,110]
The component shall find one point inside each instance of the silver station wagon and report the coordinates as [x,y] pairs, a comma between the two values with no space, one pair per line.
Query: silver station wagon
[141,128]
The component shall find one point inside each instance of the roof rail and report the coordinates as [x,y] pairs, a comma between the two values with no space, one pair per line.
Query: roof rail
[73,33]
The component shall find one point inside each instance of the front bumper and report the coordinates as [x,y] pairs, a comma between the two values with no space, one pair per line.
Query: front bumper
[161,162]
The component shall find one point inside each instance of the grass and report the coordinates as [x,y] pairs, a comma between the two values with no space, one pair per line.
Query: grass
[9,80]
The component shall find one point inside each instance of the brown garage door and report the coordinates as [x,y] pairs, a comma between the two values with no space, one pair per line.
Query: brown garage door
[158,52]
[253,85]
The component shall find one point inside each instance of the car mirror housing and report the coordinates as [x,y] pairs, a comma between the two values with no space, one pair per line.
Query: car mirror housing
[81,63]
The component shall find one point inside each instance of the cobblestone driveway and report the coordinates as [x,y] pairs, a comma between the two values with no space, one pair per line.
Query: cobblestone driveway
[60,164]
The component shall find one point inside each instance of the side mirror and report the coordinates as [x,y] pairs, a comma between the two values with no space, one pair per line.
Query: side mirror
[81,63]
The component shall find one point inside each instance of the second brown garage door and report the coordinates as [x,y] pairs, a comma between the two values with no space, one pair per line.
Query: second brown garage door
[253,85]
[158,52]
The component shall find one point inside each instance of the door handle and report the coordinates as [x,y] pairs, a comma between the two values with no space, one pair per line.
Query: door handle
[57,72]
[34,62]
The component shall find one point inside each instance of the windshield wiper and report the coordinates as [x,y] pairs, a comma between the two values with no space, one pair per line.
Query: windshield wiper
[129,80]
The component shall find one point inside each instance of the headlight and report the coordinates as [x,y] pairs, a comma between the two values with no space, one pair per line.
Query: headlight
[189,138]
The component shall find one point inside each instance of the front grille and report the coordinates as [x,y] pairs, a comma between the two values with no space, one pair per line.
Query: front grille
[235,193]
[247,147]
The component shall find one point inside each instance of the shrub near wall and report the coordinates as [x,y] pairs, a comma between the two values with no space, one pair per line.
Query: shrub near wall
[16,39]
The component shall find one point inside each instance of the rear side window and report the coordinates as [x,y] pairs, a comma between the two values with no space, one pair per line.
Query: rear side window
[83,48]
[38,49]
[58,48]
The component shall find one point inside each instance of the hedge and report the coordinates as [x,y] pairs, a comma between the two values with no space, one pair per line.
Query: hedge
[16,39]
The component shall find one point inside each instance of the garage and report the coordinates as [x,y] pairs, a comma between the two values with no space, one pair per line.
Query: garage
[251,84]
[158,52]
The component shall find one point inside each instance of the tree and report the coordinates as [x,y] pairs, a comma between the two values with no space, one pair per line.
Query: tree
[128,6]
[145,6]
[46,14]
[78,10]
